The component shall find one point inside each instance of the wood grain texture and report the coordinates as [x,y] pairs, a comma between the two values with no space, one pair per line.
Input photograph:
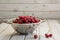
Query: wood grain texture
[16,1]
[30,7]
[30,1]
[5,35]
[40,30]
[18,37]
[54,25]
[3,27]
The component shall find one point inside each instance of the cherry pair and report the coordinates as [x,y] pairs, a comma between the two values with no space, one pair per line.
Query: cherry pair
[48,35]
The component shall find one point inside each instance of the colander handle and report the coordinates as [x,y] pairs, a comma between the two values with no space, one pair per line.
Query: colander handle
[3,20]
[43,20]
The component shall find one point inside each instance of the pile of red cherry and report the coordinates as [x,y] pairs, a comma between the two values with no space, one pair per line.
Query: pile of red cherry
[26,19]
[48,35]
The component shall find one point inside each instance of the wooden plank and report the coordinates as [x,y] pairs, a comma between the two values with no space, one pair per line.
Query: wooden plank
[7,33]
[12,14]
[54,26]
[38,14]
[18,37]
[42,29]
[16,1]
[30,1]
[31,37]
[3,27]
[48,1]
[30,7]
[58,23]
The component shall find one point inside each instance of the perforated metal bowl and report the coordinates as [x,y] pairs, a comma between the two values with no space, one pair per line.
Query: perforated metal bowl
[23,28]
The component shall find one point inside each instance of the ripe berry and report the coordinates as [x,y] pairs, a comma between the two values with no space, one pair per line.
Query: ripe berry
[26,21]
[14,21]
[20,17]
[29,20]
[46,35]
[36,20]
[35,36]
[19,22]
[50,35]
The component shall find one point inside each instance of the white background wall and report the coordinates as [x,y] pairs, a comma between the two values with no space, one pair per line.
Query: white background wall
[40,8]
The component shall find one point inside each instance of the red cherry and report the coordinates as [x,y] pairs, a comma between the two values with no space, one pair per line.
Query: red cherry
[46,35]
[33,21]
[27,21]
[20,17]
[36,20]
[35,36]
[19,22]
[14,21]
[24,20]
[50,35]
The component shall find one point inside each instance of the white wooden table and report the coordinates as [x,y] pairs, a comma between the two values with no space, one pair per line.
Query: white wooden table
[7,32]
